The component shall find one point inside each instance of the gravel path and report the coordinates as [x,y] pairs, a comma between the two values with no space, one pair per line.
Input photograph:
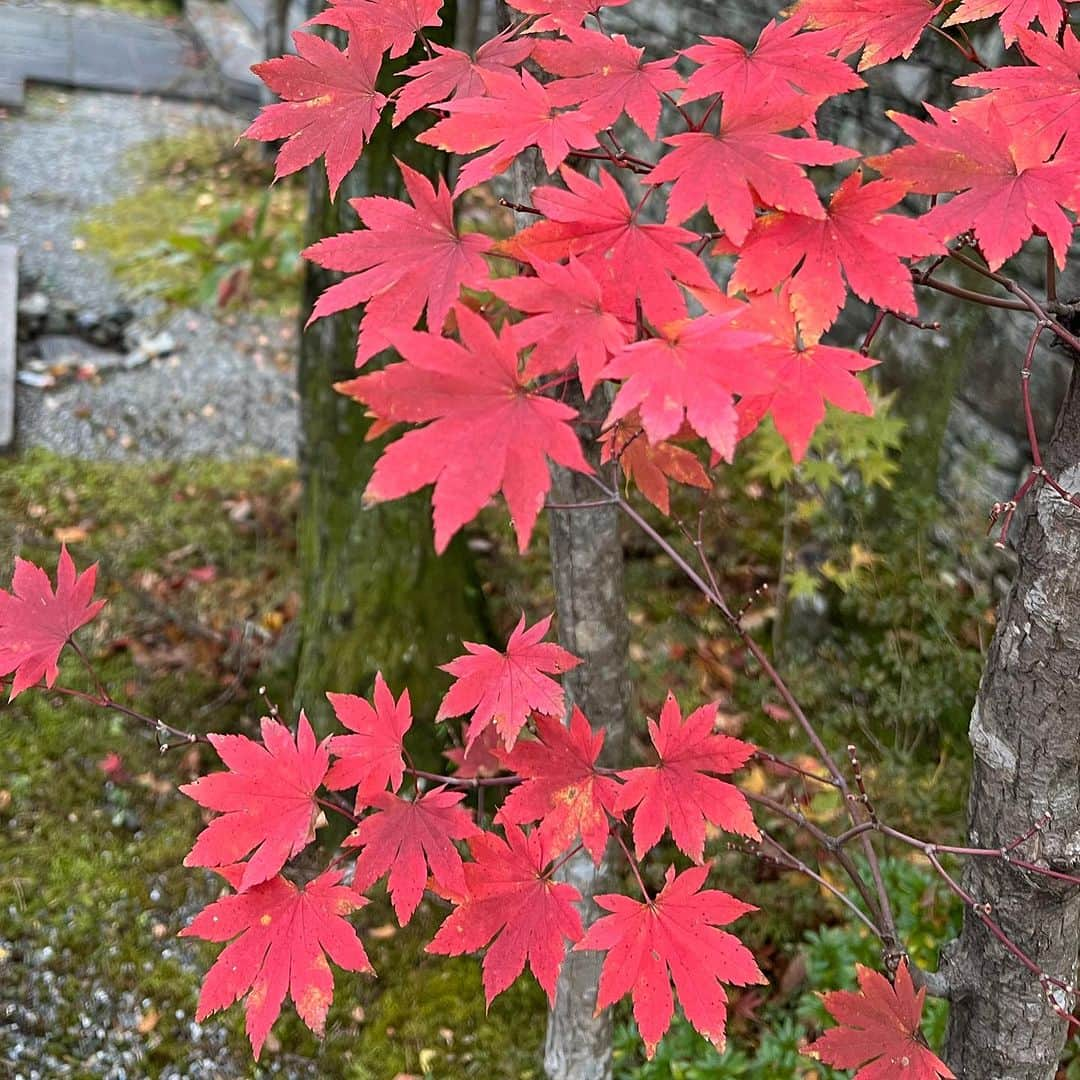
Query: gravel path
[226,392]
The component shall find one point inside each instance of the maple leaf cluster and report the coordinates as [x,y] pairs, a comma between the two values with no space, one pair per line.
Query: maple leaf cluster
[612,277]
[505,896]
[694,281]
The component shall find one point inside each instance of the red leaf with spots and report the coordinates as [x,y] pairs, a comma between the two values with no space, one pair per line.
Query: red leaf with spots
[883,29]
[596,218]
[486,431]
[407,838]
[408,259]
[329,105]
[680,792]
[748,161]
[266,799]
[651,465]
[561,14]
[381,24]
[516,112]
[1009,185]
[1013,15]
[879,1030]
[504,689]
[607,76]
[856,240]
[513,903]
[674,939]
[283,936]
[451,73]
[573,317]
[562,788]
[1039,100]
[782,67]
[370,759]
[805,375]
[36,623]
[689,374]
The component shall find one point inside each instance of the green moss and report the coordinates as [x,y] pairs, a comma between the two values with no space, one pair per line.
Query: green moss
[203,226]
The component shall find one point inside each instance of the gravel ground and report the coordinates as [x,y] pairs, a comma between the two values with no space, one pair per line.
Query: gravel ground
[226,392]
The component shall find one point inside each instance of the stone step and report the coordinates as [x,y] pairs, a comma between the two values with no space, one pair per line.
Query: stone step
[99,50]
[233,46]
[257,13]
[9,294]
[12,92]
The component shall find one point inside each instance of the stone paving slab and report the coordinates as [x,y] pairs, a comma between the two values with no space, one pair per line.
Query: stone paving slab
[101,50]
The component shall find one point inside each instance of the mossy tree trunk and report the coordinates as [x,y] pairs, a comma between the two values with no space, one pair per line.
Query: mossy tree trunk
[1025,734]
[375,595]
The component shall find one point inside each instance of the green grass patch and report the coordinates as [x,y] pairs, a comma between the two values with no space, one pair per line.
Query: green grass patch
[204,226]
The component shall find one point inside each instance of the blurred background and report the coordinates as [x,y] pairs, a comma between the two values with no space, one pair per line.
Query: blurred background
[164,415]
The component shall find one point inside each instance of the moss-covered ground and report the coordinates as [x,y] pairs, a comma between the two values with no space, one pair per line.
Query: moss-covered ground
[92,890]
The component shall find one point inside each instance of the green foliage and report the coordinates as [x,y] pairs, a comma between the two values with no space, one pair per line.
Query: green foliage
[845,448]
[203,228]
[898,665]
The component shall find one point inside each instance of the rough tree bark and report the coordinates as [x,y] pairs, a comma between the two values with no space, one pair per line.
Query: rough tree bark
[1025,733]
[375,595]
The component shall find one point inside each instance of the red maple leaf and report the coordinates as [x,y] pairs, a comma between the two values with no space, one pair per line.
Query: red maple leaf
[381,24]
[607,76]
[283,937]
[561,14]
[651,465]
[503,689]
[561,788]
[479,758]
[806,374]
[784,66]
[329,105]
[678,793]
[36,623]
[689,374]
[856,240]
[453,74]
[883,29]
[266,799]
[369,760]
[1009,185]
[879,1030]
[573,317]
[516,112]
[1013,15]
[674,938]
[1041,99]
[408,258]
[596,218]
[406,838]
[512,900]
[488,431]
[746,161]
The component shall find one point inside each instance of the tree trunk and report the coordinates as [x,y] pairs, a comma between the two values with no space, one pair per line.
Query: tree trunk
[587,571]
[587,575]
[375,595]
[1025,733]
